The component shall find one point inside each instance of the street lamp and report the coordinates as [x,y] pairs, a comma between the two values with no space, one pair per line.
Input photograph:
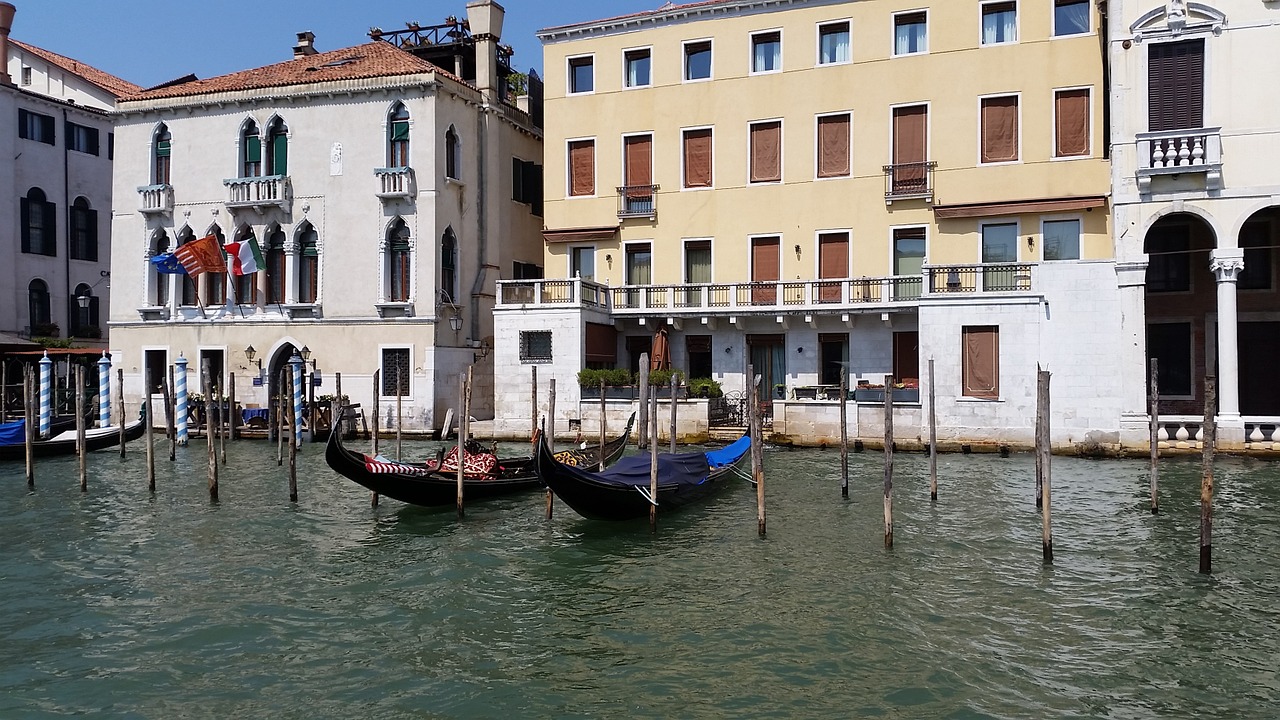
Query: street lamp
[455,321]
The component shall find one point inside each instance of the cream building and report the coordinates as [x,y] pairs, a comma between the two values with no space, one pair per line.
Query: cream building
[379,186]
[57,141]
[806,185]
[1197,212]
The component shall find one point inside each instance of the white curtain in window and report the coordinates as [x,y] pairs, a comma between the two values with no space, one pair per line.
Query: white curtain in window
[998,27]
[835,47]
[902,40]
[638,267]
[633,72]
[767,55]
[1073,18]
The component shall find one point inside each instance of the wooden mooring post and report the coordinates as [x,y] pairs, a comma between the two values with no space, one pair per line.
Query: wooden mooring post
[121,414]
[933,439]
[602,424]
[673,414]
[888,463]
[550,428]
[150,433]
[282,387]
[1155,436]
[293,441]
[844,432]
[757,447]
[533,409]
[207,387]
[375,411]
[233,429]
[29,415]
[338,419]
[400,418]
[652,411]
[1210,437]
[224,421]
[643,438]
[464,404]
[1040,430]
[1044,457]
[81,446]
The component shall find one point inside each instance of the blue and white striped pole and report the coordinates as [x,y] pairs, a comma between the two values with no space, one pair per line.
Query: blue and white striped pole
[46,395]
[295,362]
[104,391]
[180,397]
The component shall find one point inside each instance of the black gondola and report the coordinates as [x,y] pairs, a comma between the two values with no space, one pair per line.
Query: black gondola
[64,442]
[422,484]
[622,491]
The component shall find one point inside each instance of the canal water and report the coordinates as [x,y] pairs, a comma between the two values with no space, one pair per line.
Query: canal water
[118,603]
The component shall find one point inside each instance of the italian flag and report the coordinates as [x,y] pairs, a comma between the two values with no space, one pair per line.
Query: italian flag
[246,258]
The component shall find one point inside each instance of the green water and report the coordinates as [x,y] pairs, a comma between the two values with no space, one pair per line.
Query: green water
[118,603]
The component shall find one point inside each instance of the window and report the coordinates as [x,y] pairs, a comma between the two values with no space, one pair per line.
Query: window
[525,271]
[833,145]
[157,365]
[637,64]
[188,283]
[582,262]
[1000,129]
[159,246]
[999,245]
[908,261]
[526,184]
[398,137]
[398,262]
[83,321]
[1169,259]
[637,175]
[910,149]
[833,264]
[766,52]
[111,146]
[535,346]
[163,146]
[1061,239]
[1255,239]
[278,144]
[639,264]
[697,60]
[833,353]
[696,158]
[215,283]
[308,265]
[452,157]
[999,23]
[38,224]
[216,369]
[277,268]
[395,372]
[26,75]
[82,139]
[449,267]
[84,231]
[765,163]
[910,33]
[582,74]
[250,151]
[38,314]
[1070,17]
[980,361]
[765,269]
[1071,123]
[34,126]
[1175,83]
[697,271]
[906,356]
[833,43]
[1170,344]
[698,350]
[582,167]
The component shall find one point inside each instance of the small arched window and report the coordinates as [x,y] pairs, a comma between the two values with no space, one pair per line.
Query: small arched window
[188,283]
[163,146]
[159,246]
[250,151]
[246,285]
[38,314]
[308,265]
[38,224]
[276,267]
[277,148]
[84,231]
[84,313]
[398,137]
[398,262]
[451,154]
[449,267]
[215,283]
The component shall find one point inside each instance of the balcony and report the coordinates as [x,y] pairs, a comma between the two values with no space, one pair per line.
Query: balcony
[1175,152]
[909,181]
[259,193]
[636,201]
[395,183]
[156,199]
[784,297]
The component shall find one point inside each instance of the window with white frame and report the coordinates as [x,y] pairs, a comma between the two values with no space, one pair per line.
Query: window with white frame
[833,43]
[582,167]
[765,162]
[999,22]
[638,67]
[697,60]
[535,346]
[910,33]
[980,361]
[1071,123]
[696,154]
[999,129]
[833,145]
[395,372]
[1070,17]
[766,52]
[1061,239]
[582,262]
[582,74]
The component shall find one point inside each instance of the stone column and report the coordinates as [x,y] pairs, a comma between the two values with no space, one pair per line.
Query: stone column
[1226,264]
[1131,279]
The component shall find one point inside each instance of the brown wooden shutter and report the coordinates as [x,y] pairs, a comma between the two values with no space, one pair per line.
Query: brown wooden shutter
[766,152]
[906,355]
[1000,129]
[638,152]
[697,158]
[582,167]
[981,362]
[909,134]
[764,268]
[833,255]
[601,343]
[1072,131]
[833,146]
[1175,85]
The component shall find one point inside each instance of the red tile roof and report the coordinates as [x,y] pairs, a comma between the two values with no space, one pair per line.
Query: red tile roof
[104,80]
[374,59]
[665,9]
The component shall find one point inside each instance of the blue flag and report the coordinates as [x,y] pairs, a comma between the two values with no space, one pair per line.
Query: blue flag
[168,264]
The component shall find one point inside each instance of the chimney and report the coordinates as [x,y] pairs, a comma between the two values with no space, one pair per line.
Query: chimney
[306,44]
[485,18]
[6,22]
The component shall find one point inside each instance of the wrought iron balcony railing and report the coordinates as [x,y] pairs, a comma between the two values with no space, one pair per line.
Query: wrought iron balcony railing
[908,181]
[637,201]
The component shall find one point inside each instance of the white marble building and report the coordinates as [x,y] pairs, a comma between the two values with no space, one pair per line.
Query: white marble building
[379,187]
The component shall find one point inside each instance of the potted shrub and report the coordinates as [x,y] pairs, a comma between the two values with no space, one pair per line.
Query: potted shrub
[705,388]
[660,382]
[780,391]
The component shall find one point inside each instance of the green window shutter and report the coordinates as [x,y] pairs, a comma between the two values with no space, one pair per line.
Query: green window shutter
[399,130]
[280,154]
[163,148]
[24,223]
[252,149]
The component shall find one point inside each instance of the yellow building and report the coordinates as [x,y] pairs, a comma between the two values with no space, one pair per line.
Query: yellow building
[807,186]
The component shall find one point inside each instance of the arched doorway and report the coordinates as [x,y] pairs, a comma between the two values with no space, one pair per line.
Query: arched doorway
[1258,304]
[278,379]
[1181,297]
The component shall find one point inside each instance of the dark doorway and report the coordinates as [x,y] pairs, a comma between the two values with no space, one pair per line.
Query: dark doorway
[1259,346]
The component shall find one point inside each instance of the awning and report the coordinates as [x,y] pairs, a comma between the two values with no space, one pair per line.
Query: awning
[11,343]
[568,235]
[1018,207]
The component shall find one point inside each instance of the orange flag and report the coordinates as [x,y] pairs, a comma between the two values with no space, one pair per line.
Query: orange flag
[201,256]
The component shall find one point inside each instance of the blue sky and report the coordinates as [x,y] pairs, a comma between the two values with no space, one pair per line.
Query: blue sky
[148,43]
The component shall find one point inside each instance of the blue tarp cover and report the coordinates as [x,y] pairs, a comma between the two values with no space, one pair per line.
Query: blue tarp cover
[684,469]
[729,454]
[13,433]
